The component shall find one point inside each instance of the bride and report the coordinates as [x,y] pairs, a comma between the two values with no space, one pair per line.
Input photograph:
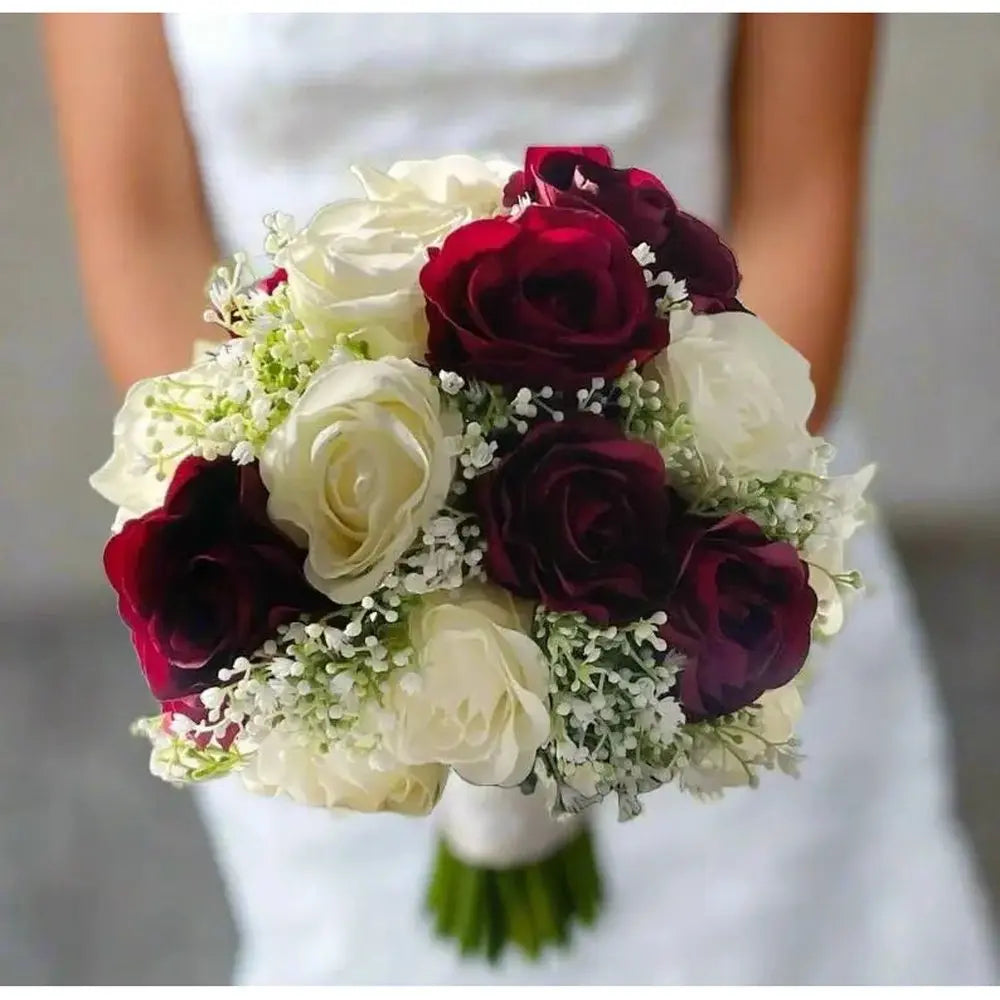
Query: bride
[180,134]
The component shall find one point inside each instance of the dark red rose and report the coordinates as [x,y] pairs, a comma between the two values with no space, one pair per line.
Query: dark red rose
[742,611]
[693,251]
[551,298]
[272,281]
[578,517]
[206,577]
[583,177]
[522,182]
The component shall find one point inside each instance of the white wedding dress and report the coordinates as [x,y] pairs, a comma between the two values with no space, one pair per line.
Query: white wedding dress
[856,873]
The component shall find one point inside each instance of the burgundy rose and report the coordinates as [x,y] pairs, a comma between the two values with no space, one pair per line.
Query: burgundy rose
[578,517]
[583,177]
[522,182]
[272,281]
[693,251]
[742,612]
[551,298]
[206,577]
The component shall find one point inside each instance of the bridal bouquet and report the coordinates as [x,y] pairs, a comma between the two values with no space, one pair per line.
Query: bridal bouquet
[494,483]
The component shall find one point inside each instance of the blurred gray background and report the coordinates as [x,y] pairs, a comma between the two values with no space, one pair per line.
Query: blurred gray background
[97,860]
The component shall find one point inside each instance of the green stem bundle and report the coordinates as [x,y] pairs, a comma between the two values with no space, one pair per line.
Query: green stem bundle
[531,906]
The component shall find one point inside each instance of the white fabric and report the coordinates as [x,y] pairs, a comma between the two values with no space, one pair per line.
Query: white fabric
[500,827]
[856,873]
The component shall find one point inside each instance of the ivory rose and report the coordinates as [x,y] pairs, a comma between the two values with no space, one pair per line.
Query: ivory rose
[357,469]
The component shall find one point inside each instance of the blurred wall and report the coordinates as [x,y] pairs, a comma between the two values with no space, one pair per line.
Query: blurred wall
[927,351]
[924,366]
[55,405]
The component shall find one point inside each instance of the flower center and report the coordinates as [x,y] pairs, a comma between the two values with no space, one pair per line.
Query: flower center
[351,486]
[566,298]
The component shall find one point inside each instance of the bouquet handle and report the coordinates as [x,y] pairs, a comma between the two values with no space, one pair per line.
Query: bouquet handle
[508,873]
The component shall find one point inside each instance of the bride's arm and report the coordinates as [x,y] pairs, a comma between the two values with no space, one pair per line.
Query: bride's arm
[144,238]
[800,99]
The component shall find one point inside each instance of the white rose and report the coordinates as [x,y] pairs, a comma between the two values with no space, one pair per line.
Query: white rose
[748,393]
[134,478]
[343,778]
[355,269]
[478,699]
[715,766]
[357,468]
[459,181]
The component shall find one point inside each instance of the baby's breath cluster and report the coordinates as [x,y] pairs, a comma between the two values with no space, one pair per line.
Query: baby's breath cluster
[615,720]
[449,552]
[248,383]
[183,751]
[491,416]
[731,750]
[490,413]
[476,453]
[675,294]
[175,407]
[321,683]
[645,413]
[788,508]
